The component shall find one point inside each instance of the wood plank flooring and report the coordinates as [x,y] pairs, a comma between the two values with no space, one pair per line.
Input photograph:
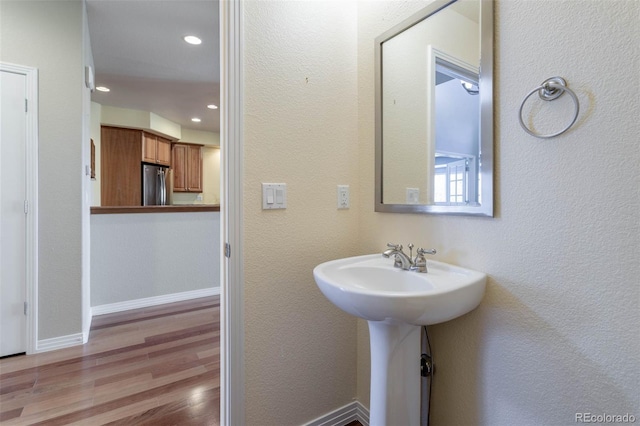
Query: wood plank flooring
[151,366]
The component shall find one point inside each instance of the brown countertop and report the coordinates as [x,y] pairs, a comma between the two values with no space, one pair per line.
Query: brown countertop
[176,208]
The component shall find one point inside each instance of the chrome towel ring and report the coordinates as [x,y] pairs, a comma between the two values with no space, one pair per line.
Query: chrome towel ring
[550,89]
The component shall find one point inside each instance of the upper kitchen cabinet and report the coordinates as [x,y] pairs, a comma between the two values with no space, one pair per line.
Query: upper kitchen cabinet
[187,167]
[156,149]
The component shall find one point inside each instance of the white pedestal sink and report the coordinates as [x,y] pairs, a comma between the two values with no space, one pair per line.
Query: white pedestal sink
[396,303]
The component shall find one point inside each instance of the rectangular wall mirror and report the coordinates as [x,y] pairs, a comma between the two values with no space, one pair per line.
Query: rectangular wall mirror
[434,111]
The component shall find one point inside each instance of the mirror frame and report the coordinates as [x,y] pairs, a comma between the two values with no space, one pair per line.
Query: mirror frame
[486,115]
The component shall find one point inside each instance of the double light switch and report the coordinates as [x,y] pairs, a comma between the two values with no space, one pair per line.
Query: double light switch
[274,196]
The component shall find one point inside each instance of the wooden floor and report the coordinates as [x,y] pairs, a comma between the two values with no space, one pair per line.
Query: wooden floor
[152,366]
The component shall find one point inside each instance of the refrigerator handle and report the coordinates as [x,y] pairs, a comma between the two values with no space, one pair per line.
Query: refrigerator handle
[163,188]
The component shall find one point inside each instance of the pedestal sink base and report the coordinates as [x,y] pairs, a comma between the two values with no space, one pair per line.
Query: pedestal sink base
[395,374]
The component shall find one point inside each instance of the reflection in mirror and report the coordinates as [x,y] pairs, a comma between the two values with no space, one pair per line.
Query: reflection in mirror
[457,147]
[434,138]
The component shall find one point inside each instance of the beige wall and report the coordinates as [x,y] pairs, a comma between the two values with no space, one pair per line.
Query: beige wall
[300,128]
[211,175]
[48,35]
[137,119]
[201,137]
[557,332]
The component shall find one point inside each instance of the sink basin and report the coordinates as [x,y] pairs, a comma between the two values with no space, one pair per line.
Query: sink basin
[370,287]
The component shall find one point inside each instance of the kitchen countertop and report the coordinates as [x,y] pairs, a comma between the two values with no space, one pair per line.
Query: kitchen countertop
[176,208]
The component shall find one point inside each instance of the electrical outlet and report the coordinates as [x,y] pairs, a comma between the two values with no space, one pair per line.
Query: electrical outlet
[413,195]
[343,196]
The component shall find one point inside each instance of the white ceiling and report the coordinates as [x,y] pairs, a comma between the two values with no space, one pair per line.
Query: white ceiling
[139,53]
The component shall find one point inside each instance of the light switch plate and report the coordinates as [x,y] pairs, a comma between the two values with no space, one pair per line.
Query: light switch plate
[274,196]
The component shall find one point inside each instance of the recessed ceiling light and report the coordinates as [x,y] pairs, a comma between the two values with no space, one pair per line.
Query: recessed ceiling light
[192,39]
[212,106]
[196,120]
[103,89]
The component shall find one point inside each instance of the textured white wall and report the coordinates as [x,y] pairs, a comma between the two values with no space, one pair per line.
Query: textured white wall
[300,128]
[135,256]
[557,332]
[48,35]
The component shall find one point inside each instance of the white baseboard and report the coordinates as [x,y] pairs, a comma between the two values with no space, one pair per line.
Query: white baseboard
[343,415]
[153,301]
[60,342]
[362,414]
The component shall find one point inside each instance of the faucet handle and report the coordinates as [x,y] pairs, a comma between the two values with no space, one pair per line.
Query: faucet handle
[422,252]
[420,263]
[394,246]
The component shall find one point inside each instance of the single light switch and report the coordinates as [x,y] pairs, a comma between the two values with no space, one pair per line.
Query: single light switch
[274,196]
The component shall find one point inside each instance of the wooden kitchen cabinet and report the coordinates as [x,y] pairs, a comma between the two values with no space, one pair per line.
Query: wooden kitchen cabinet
[156,149]
[187,167]
[120,167]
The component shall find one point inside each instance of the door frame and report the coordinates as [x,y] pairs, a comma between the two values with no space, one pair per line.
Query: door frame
[31,196]
[232,394]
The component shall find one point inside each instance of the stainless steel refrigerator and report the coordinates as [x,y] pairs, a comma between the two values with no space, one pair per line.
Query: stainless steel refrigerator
[156,185]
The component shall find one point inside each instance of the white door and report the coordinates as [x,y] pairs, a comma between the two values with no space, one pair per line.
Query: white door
[12,213]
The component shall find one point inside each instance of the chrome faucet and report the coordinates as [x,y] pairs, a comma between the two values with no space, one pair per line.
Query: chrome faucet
[401,260]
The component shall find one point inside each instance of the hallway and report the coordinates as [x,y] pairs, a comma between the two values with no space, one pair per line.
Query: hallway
[155,366]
